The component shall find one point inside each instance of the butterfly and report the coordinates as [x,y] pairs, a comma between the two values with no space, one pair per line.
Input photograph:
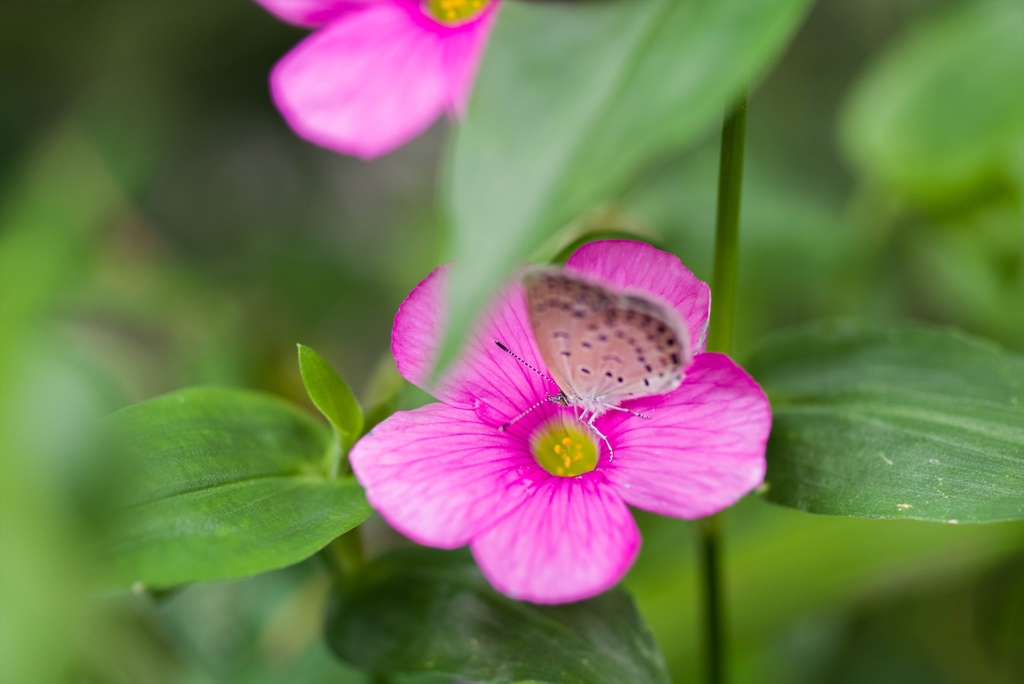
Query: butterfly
[600,346]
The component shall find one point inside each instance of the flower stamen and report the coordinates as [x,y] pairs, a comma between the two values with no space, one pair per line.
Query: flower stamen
[564,449]
[454,11]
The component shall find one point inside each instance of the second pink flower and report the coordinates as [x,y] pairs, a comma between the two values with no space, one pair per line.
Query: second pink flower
[377,73]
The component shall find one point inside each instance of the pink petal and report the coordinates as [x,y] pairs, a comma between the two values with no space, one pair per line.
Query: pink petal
[573,539]
[462,52]
[703,448]
[626,264]
[366,83]
[311,12]
[419,327]
[484,378]
[440,476]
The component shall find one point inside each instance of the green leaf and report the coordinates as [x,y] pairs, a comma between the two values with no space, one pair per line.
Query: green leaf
[222,483]
[894,422]
[423,610]
[942,111]
[573,100]
[331,395]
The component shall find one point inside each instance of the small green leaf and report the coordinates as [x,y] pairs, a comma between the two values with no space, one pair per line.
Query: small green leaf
[894,422]
[620,84]
[423,610]
[941,113]
[331,395]
[221,483]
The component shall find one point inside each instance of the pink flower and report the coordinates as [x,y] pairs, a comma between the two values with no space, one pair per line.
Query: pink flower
[445,476]
[377,73]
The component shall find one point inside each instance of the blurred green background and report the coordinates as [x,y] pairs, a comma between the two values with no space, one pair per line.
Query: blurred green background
[161,227]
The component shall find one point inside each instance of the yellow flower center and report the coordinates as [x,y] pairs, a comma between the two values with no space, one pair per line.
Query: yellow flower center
[455,11]
[564,449]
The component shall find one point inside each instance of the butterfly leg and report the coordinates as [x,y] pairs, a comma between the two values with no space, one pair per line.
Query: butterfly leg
[632,413]
[590,424]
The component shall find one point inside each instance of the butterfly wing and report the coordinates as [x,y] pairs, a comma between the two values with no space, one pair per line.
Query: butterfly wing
[603,347]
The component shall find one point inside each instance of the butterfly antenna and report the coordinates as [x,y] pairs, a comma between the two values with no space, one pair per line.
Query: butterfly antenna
[525,363]
[522,415]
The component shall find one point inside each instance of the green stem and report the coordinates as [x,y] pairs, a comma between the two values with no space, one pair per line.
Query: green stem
[349,548]
[714,642]
[344,556]
[723,291]
[335,455]
[727,235]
